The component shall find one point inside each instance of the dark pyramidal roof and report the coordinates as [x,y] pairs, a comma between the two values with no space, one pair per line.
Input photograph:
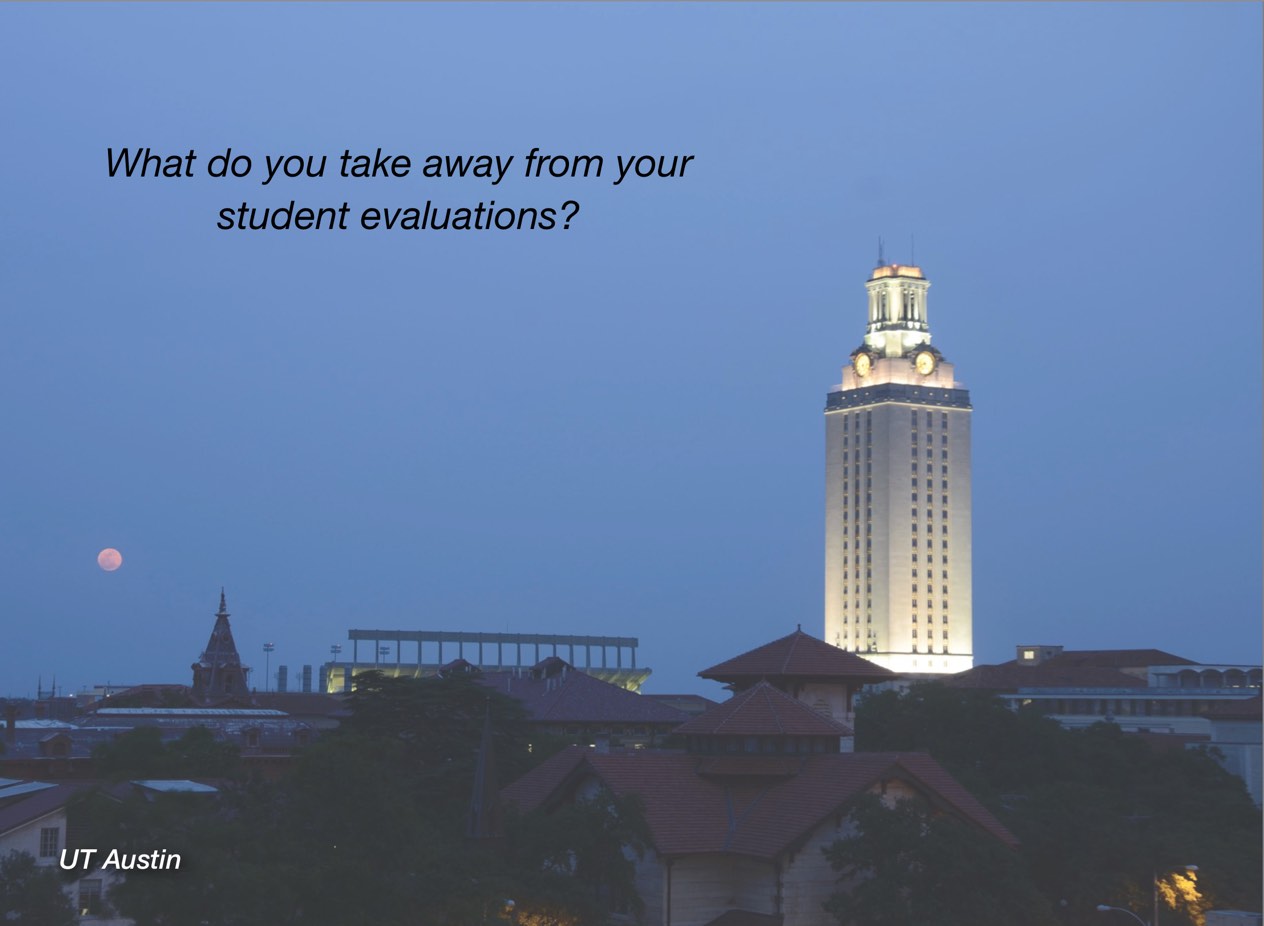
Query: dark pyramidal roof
[762,710]
[798,655]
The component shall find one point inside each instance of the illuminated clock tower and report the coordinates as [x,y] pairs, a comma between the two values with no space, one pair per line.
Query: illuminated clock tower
[897,492]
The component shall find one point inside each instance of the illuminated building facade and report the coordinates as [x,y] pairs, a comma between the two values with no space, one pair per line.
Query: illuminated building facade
[897,492]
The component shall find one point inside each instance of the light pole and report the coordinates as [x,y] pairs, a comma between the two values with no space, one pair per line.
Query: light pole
[1102,908]
[267,663]
[333,663]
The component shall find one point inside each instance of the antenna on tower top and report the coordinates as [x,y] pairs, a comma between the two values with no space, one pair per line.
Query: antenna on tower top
[881,261]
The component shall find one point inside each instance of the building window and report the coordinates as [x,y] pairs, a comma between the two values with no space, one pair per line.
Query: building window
[945,634]
[915,557]
[915,470]
[914,498]
[944,440]
[90,902]
[50,841]
[914,588]
[943,454]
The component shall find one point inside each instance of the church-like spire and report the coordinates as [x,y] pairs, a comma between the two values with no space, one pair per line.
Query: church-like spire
[219,673]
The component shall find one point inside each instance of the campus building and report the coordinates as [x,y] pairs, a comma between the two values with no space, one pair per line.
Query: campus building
[897,491]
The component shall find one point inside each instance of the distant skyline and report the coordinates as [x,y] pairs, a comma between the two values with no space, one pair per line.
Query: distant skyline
[617,429]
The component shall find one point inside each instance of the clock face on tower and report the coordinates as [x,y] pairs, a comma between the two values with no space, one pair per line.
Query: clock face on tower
[925,362]
[861,364]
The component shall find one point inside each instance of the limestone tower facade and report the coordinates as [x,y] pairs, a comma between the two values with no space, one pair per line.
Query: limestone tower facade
[897,491]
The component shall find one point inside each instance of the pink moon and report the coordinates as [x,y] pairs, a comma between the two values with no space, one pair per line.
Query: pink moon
[109,559]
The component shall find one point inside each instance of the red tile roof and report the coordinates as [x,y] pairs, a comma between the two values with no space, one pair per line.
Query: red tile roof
[797,655]
[1052,673]
[23,810]
[1120,658]
[764,711]
[689,813]
[576,697]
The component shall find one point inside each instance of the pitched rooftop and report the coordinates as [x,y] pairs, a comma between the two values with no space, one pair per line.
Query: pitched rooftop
[763,711]
[797,656]
[690,812]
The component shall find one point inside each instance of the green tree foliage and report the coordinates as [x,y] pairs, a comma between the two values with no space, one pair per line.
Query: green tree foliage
[1097,811]
[31,895]
[369,828]
[580,857]
[906,864]
[141,753]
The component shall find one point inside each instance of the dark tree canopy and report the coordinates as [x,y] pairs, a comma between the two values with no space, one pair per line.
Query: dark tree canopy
[1097,811]
[905,864]
[370,827]
[31,895]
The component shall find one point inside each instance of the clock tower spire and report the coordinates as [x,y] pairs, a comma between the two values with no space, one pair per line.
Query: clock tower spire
[897,496]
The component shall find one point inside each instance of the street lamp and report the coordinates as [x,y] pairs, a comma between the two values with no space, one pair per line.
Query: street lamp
[1102,908]
[267,662]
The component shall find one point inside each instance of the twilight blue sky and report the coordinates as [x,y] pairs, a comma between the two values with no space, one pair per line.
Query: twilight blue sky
[617,429]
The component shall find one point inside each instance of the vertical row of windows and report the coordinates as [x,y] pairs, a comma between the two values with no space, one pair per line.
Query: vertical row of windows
[922,517]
